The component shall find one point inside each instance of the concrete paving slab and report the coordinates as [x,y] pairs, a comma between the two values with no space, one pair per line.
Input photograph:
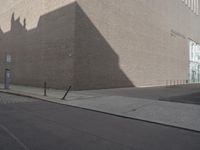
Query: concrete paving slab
[111,104]
[123,103]
[152,93]
[52,93]
[176,114]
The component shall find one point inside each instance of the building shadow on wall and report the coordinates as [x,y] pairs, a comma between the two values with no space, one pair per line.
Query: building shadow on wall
[65,48]
[96,63]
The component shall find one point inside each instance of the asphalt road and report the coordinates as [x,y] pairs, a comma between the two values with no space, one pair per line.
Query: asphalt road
[29,124]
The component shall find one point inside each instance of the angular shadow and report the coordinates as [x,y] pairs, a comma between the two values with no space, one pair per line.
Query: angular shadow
[64,49]
[96,63]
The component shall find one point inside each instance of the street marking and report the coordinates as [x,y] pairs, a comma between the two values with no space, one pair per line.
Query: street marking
[14,137]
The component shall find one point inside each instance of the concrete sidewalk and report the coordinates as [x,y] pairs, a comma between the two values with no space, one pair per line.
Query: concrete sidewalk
[137,103]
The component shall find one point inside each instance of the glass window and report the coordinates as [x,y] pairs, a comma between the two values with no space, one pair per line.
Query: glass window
[193,5]
[194,68]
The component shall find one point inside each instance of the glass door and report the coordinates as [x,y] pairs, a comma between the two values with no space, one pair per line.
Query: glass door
[194,67]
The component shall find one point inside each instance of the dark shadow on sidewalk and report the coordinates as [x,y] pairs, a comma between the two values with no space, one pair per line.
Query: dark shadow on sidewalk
[193,98]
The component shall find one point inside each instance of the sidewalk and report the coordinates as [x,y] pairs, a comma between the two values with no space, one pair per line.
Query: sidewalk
[137,103]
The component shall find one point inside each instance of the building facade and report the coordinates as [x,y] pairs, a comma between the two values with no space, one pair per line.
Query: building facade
[93,44]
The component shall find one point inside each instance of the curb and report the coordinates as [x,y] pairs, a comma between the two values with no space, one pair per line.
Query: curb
[89,109]
[23,94]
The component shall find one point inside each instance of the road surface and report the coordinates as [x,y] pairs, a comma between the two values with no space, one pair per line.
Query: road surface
[30,124]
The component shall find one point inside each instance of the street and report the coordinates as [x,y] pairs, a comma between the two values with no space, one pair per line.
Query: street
[31,124]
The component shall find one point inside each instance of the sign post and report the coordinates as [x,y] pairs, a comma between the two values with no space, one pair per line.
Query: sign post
[7,74]
[7,79]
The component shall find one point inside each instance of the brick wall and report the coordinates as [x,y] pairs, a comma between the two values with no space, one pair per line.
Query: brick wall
[96,43]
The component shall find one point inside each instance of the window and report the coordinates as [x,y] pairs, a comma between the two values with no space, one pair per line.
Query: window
[193,5]
[194,67]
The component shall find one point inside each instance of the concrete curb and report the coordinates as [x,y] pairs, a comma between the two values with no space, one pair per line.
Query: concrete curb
[23,94]
[62,102]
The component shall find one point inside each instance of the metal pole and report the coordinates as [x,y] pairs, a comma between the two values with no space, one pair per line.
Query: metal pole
[45,89]
[7,79]
[66,93]
[5,82]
